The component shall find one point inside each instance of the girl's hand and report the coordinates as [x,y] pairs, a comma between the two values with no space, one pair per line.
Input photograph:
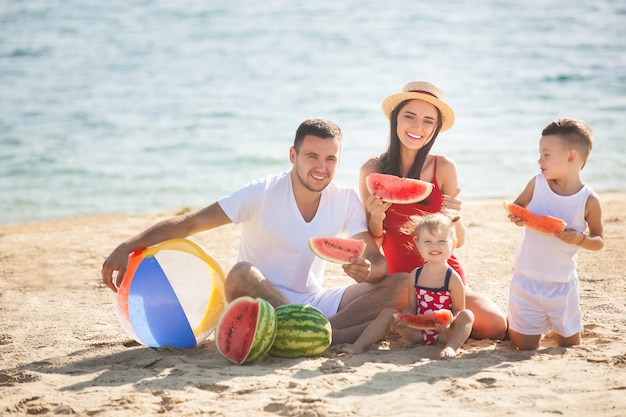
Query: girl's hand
[400,323]
[441,328]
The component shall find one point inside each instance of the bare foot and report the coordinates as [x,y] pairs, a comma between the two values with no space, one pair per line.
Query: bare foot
[447,353]
[351,349]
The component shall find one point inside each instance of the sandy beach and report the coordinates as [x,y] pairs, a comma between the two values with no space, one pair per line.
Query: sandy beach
[63,351]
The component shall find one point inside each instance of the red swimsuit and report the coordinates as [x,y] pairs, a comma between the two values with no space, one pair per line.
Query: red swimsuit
[399,247]
[431,299]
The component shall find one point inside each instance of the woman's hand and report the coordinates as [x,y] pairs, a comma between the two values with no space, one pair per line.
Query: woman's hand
[376,207]
[451,202]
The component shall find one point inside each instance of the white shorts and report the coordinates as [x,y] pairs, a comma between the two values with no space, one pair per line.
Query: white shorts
[327,300]
[535,307]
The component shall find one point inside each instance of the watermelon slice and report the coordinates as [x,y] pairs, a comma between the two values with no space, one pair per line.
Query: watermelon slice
[547,225]
[337,249]
[427,321]
[393,189]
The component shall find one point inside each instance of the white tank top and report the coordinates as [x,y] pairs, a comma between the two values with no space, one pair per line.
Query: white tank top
[544,257]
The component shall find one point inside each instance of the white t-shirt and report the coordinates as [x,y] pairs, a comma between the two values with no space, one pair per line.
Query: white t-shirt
[274,236]
[545,257]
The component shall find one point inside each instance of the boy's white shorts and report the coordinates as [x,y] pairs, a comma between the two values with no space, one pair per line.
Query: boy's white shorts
[535,307]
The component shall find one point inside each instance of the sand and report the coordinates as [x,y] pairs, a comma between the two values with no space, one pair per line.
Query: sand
[63,350]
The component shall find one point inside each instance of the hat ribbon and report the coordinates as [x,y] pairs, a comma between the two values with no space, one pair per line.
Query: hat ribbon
[423,92]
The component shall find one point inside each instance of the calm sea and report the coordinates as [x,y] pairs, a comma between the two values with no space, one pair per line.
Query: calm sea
[141,106]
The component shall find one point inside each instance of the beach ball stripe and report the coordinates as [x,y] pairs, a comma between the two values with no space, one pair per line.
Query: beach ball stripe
[172,294]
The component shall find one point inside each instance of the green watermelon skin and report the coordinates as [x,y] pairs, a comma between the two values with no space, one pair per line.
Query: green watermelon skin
[398,190]
[246,330]
[303,331]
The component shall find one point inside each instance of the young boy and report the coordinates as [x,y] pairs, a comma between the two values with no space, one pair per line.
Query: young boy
[544,292]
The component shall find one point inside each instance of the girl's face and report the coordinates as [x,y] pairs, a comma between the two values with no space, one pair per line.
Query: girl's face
[435,246]
[416,124]
[554,157]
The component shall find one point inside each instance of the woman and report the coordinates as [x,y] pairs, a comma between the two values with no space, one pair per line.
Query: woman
[417,114]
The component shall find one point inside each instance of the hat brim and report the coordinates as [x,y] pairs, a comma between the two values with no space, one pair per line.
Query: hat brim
[447,115]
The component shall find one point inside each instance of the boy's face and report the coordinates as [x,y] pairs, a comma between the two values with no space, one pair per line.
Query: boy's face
[554,158]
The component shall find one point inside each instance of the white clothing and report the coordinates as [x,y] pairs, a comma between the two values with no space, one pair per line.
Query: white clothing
[274,236]
[327,301]
[544,257]
[541,306]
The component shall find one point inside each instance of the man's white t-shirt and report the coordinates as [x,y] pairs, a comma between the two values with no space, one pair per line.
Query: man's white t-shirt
[274,236]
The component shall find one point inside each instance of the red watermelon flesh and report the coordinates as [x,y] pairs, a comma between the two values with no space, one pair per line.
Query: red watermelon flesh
[543,224]
[426,321]
[246,330]
[393,189]
[337,249]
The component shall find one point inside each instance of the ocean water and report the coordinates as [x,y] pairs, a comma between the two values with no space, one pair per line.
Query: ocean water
[142,106]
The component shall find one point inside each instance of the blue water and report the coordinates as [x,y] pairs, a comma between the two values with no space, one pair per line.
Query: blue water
[143,106]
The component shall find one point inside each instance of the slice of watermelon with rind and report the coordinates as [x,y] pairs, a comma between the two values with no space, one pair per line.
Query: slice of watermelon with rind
[337,249]
[546,224]
[398,190]
[427,321]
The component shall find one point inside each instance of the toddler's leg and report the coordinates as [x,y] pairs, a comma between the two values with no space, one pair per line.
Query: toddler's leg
[457,334]
[378,328]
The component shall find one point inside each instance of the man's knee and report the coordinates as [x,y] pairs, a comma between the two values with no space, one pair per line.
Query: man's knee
[237,278]
[391,291]
[397,289]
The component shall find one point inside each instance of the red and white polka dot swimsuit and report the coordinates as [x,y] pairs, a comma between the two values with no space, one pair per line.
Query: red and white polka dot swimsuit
[431,299]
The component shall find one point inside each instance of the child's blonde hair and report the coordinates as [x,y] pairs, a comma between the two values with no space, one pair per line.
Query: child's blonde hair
[576,134]
[434,223]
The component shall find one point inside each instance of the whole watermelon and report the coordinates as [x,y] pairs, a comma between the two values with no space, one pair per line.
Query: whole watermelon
[245,331]
[302,331]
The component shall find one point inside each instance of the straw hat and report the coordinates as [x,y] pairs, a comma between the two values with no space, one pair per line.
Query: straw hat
[421,90]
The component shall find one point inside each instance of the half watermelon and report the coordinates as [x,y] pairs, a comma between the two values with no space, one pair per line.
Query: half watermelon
[427,321]
[393,189]
[337,249]
[246,330]
[547,225]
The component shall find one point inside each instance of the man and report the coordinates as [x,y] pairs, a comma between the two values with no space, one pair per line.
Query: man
[278,215]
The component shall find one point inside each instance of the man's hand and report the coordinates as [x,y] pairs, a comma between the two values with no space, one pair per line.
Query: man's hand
[359,269]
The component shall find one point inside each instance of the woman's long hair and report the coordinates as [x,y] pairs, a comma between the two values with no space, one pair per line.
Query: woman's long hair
[390,160]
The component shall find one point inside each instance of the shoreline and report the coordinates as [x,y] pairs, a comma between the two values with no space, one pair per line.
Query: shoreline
[62,349]
[184,209]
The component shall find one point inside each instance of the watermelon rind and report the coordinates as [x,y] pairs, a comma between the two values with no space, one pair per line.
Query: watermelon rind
[336,249]
[303,331]
[398,190]
[545,224]
[264,329]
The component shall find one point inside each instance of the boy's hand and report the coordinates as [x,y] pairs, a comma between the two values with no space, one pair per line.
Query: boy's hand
[570,236]
[516,220]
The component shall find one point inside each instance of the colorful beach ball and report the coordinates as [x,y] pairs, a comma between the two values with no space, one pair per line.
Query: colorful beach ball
[172,294]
